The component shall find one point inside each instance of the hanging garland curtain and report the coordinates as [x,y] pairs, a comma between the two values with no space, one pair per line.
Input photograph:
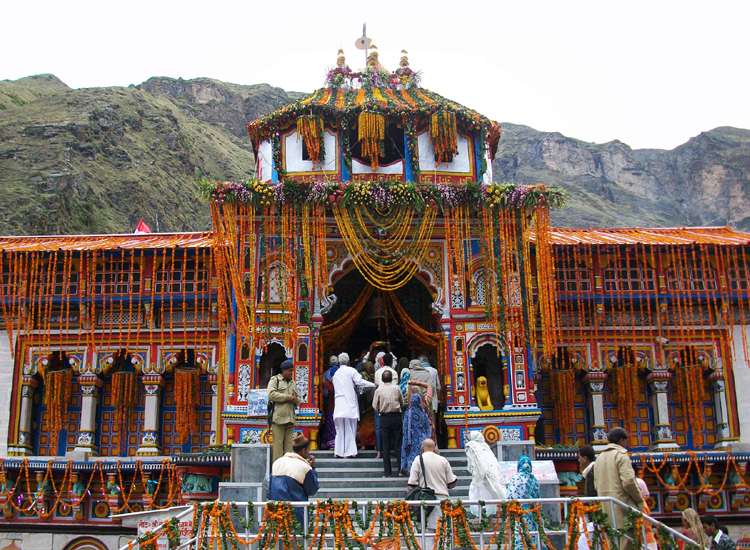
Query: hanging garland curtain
[413,331]
[372,136]
[387,263]
[187,400]
[124,398]
[545,269]
[562,388]
[310,128]
[443,136]
[690,396]
[57,386]
[626,391]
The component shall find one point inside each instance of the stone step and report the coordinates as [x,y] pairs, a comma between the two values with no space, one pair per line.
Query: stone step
[358,463]
[384,483]
[447,453]
[369,474]
[363,494]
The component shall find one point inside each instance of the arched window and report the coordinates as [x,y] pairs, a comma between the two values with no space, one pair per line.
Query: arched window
[393,146]
[278,284]
[688,275]
[628,275]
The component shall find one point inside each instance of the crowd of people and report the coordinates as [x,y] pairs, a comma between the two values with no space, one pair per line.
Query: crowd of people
[611,474]
[376,405]
[394,410]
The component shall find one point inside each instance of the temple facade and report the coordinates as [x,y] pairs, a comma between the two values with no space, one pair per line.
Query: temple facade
[131,362]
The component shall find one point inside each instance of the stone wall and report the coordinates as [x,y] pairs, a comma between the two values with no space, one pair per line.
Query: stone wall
[741,379]
[6,388]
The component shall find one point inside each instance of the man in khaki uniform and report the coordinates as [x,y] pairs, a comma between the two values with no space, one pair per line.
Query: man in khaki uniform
[283,392]
[614,477]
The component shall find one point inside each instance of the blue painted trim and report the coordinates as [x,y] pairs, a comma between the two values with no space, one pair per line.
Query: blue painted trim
[408,171]
[345,176]
[477,159]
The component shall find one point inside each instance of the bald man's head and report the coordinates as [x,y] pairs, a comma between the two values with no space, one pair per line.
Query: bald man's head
[428,445]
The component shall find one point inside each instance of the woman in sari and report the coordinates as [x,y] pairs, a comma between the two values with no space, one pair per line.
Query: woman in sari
[416,430]
[691,522]
[523,485]
[403,383]
[486,483]
[329,430]
[367,413]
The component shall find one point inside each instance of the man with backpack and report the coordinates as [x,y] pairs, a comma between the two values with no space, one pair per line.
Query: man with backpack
[283,399]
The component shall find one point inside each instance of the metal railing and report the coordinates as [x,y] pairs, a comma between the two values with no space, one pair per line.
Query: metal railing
[424,535]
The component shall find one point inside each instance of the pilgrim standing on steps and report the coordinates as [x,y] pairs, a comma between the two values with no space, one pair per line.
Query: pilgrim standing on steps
[346,411]
[283,392]
[329,429]
[486,481]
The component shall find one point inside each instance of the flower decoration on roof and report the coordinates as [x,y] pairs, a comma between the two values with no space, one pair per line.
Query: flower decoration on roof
[340,77]
[406,77]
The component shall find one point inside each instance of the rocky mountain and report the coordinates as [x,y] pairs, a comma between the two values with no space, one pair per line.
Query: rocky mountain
[702,182]
[97,160]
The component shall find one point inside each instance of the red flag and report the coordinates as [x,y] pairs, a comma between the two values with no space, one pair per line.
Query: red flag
[142,228]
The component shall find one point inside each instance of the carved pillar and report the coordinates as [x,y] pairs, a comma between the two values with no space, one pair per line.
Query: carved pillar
[718,389]
[598,428]
[24,445]
[86,439]
[152,384]
[662,438]
[215,412]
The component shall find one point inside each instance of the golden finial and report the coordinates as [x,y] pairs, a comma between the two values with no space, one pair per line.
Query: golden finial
[404,59]
[340,59]
[372,59]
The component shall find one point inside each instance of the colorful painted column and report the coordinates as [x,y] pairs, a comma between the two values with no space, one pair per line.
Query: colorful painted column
[152,385]
[86,439]
[594,380]
[662,437]
[24,445]
[718,389]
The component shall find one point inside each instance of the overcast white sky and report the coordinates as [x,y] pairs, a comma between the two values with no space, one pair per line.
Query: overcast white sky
[651,74]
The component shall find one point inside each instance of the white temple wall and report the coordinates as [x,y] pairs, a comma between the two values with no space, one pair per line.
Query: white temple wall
[741,379]
[6,387]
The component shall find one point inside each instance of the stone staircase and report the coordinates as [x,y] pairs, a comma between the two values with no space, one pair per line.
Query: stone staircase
[362,478]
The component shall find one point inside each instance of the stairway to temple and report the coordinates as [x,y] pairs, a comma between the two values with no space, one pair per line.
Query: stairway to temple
[362,478]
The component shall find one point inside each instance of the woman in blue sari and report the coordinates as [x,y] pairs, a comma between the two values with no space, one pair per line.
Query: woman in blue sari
[523,485]
[416,429]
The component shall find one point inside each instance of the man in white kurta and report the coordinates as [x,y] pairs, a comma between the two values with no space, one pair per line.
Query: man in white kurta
[346,410]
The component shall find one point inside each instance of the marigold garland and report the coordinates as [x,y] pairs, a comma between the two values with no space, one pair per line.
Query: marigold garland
[124,399]
[689,381]
[372,136]
[625,379]
[562,388]
[443,136]
[310,128]
[187,400]
[57,385]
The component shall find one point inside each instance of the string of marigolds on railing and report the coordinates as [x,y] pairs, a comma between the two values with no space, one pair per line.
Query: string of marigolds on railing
[685,482]
[392,525]
[69,493]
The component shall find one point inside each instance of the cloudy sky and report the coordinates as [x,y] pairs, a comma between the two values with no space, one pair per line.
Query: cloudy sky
[651,74]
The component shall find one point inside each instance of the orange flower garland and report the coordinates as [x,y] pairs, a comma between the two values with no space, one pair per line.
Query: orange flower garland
[690,396]
[562,387]
[372,136]
[626,394]
[310,128]
[57,386]
[443,136]
[124,397]
[187,400]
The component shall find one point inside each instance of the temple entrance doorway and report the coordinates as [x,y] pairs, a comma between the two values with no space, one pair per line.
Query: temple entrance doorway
[269,362]
[488,389]
[364,316]
[381,317]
